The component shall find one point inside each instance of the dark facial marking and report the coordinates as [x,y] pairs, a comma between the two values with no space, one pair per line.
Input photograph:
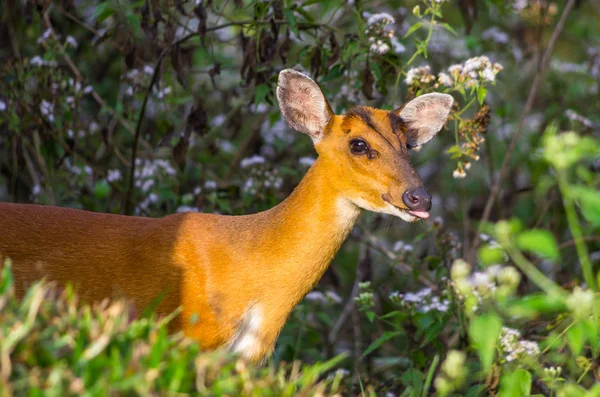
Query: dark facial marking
[396,122]
[364,114]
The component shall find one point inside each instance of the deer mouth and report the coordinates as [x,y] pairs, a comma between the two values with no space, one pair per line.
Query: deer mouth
[416,214]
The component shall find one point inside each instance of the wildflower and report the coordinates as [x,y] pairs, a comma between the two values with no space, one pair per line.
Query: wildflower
[459,174]
[421,74]
[306,161]
[47,109]
[36,61]
[379,47]
[185,208]
[445,80]
[149,70]
[2,106]
[113,175]
[399,48]
[211,185]
[495,34]
[71,41]
[513,347]
[88,89]
[581,303]
[574,116]
[382,17]
[44,36]
[252,161]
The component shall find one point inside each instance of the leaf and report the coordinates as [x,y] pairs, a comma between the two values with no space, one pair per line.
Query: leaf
[588,200]
[539,242]
[387,335]
[103,11]
[491,255]
[484,331]
[413,29]
[448,27]
[481,94]
[576,338]
[534,305]
[515,384]
[260,93]
[291,19]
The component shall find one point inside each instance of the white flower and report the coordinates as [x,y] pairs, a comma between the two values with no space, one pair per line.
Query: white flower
[71,41]
[574,116]
[36,190]
[2,106]
[211,185]
[44,36]
[252,161]
[306,161]
[398,47]
[113,175]
[459,174]
[149,70]
[488,74]
[495,34]
[47,109]
[383,17]
[88,89]
[445,80]
[36,61]
[185,208]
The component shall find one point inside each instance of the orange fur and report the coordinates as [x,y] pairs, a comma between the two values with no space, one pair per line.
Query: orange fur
[237,278]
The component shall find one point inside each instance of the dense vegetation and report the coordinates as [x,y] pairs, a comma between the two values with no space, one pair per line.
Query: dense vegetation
[153,107]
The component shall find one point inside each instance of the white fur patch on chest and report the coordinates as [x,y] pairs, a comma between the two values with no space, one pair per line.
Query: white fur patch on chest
[247,341]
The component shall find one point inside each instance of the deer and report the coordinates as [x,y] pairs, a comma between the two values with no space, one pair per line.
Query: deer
[235,279]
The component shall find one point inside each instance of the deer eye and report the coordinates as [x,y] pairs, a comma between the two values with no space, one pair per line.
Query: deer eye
[409,146]
[358,147]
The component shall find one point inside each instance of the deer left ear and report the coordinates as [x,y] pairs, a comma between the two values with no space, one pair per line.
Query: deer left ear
[425,116]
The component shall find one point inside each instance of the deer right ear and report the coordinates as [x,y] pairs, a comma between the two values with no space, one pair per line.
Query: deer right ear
[303,104]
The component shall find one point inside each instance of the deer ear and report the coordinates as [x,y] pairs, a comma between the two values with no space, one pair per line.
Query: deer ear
[303,104]
[425,116]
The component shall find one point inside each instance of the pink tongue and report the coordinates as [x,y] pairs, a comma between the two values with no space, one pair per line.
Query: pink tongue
[420,214]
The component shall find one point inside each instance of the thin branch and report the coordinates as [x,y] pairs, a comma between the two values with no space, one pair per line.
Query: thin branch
[127,203]
[528,105]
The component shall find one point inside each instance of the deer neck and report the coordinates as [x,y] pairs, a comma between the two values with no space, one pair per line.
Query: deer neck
[308,229]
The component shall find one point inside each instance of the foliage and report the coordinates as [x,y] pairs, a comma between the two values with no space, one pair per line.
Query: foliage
[51,345]
[152,107]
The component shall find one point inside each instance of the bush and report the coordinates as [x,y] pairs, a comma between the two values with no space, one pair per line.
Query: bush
[51,345]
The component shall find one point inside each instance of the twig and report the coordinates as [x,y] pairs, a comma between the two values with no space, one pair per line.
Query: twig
[528,105]
[127,203]
[333,334]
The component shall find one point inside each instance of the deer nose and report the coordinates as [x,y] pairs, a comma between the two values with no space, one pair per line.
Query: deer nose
[417,199]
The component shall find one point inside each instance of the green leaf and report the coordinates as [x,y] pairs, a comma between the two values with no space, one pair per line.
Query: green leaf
[102,189]
[260,93]
[103,11]
[484,331]
[481,94]
[448,28]
[534,305]
[576,338]
[387,335]
[539,242]
[413,29]
[588,200]
[291,19]
[491,255]
[515,384]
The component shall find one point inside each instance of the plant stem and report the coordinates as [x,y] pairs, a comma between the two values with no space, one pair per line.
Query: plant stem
[532,272]
[575,228]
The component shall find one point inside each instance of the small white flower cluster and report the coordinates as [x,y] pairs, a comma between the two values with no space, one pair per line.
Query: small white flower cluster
[574,116]
[186,208]
[278,132]
[519,5]
[380,35]
[146,172]
[326,298]
[113,175]
[45,36]
[210,185]
[47,110]
[513,347]
[401,246]
[262,179]
[74,87]
[421,74]
[38,61]
[421,301]
[495,34]
[306,161]
[252,161]
[71,41]
[473,72]
[86,170]
[2,106]
[139,78]
[365,299]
